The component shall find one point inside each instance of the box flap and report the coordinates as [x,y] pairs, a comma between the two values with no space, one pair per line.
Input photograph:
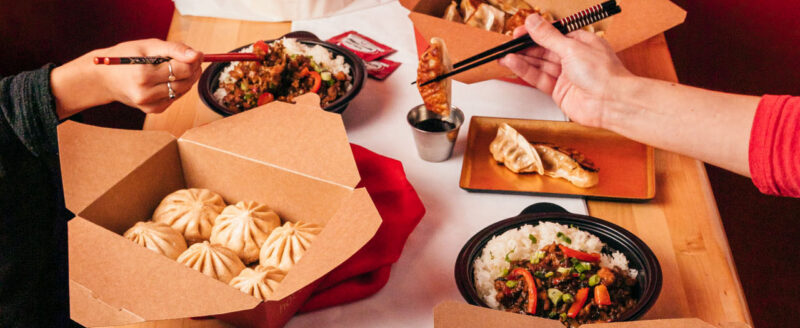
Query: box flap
[106,285]
[353,225]
[300,136]
[84,149]
[461,315]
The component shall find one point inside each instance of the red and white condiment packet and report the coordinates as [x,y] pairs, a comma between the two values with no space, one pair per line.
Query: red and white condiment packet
[381,68]
[364,47]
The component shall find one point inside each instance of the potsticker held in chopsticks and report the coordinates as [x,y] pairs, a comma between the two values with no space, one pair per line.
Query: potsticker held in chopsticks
[433,62]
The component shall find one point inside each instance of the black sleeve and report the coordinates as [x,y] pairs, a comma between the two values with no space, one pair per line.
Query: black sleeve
[33,219]
[29,113]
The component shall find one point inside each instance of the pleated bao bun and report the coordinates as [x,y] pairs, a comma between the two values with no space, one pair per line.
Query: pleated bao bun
[286,244]
[215,261]
[157,237]
[190,212]
[243,228]
[259,282]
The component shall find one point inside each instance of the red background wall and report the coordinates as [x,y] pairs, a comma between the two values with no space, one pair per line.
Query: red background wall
[750,47]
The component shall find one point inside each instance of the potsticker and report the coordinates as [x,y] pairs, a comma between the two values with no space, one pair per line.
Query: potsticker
[434,62]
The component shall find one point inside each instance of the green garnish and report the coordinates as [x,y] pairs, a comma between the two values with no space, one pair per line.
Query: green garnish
[539,274]
[564,237]
[549,274]
[536,257]
[532,238]
[574,261]
[594,280]
[554,295]
[507,254]
[582,276]
[563,316]
[563,271]
[511,284]
[553,314]
[567,298]
[326,76]
[583,267]
[505,272]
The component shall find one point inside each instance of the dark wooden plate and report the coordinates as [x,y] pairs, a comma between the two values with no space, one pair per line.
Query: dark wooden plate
[626,167]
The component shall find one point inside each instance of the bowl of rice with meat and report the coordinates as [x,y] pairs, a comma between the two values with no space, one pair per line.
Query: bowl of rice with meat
[549,263]
[292,65]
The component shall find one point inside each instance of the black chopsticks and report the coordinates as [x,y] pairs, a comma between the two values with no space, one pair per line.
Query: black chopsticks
[565,25]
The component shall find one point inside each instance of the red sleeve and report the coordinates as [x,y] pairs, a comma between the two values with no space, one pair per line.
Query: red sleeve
[775,146]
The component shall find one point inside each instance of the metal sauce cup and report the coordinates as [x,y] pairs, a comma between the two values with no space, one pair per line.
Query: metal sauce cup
[435,146]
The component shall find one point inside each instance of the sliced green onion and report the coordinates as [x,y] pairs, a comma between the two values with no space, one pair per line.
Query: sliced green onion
[507,254]
[553,314]
[567,298]
[326,76]
[532,238]
[563,271]
[539,274]
[549,274]
[564,237]
[563,316]
[511,284]
[505,272]
[554,295]
[594,280]
[583,267]
[582,276]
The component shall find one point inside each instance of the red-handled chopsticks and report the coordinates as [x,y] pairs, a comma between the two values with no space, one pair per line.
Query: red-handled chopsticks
[565,25]
[235,56]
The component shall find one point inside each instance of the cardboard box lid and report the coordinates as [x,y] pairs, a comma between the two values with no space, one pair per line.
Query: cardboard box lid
[452,314]
[83,148]
[639,21]
[288,142]
[137,284]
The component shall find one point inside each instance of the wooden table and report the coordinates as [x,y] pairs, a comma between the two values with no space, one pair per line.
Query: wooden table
[681,225]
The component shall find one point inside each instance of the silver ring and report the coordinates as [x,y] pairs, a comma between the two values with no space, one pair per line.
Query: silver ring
[171,77]
[171,92]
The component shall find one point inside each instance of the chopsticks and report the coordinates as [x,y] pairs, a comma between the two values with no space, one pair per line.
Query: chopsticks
[234,56]
[565,25]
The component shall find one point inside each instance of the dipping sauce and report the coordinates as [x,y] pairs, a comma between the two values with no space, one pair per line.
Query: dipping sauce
[435,125]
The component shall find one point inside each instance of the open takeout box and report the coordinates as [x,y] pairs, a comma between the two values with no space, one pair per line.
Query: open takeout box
[294,158]
[638,21]
[452,314]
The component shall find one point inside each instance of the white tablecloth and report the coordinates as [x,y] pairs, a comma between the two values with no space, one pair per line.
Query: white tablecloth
[376,119]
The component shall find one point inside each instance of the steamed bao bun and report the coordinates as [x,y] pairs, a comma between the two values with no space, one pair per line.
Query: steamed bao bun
[259,282]
[190,212]
[214,261]
[244,227]
[287,244]
[157,237]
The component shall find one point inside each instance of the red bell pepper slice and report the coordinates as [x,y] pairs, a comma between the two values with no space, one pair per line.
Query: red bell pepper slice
[262,45]
[317,81]
[586,257]
[601,296]
[580,300]
[265,98]
[533,296]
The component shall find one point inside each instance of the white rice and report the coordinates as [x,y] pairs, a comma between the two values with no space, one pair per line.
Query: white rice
[321,56]
[517,245]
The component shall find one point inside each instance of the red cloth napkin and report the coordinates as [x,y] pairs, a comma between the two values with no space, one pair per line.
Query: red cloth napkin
[400,208]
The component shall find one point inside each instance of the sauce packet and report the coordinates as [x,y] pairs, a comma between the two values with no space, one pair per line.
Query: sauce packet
[364,47]
[381,68]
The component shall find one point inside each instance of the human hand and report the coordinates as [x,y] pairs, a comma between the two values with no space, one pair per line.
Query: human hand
[145,86]
[81,84]
[578,70]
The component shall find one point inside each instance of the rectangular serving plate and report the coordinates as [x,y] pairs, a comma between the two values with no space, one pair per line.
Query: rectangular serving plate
[626,168]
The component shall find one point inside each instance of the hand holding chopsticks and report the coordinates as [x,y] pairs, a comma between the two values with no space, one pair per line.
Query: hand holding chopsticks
[565,25]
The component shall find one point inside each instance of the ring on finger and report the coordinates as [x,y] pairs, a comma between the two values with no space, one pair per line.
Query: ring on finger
[172,94]
[171,77]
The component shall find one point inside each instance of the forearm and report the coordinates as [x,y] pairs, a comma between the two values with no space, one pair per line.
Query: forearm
[713,127]
[77,85]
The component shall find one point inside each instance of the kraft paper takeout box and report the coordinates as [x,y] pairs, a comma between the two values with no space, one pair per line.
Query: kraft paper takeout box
[294,158]
[638,21]
[452,314]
